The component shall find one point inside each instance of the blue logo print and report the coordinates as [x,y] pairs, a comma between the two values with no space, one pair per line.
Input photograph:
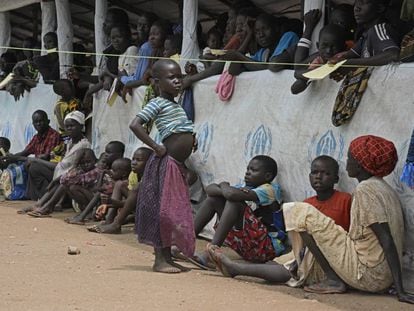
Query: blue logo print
[327,144]
[7,130]
[205,135]
[29,132]
[258,142]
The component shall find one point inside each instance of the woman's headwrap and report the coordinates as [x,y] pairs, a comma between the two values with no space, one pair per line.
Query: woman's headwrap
[376,155]
[77,116]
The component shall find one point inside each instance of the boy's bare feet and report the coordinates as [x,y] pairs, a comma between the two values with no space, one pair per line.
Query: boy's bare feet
[112,228]
[228,267]
[75,220]
[327,287]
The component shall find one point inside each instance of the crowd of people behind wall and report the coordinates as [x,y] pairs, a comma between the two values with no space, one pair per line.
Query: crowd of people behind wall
[336,241]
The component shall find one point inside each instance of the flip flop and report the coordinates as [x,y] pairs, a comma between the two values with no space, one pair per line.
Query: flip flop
[197,261]
[73,222]
[38,214]
[317,288]
[25,210]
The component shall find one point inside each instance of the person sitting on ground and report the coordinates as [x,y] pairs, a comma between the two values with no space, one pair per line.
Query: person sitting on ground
[378,45]
[41,146]
[48,65]
[368,257]
[41,172]
[84,173]
[331,45]
[114,198]
[66,104]
[160,29]
[245,212]
[114,150]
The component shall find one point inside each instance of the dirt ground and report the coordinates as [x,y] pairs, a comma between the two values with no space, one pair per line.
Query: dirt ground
[112,272]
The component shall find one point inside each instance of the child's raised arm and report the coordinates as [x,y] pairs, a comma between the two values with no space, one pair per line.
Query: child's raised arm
[237,195]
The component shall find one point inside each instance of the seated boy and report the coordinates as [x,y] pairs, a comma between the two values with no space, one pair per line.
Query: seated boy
[127,206]
[330,202]
[245,212]
[378,45]
[332,41]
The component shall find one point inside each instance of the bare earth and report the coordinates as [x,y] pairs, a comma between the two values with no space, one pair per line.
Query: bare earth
[113,272]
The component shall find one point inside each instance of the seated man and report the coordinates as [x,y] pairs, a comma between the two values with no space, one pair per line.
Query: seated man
[40,146]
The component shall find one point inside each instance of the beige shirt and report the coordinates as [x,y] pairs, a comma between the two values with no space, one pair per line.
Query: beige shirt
[374,201]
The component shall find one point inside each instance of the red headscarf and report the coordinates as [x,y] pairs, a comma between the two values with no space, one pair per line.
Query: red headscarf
[376,155]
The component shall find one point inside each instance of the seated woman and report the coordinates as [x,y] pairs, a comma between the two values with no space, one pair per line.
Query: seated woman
[43,172]
[121,42]
[368,257]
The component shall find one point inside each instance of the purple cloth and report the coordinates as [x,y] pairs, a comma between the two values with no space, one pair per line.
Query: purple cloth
[163,216]
[176,218]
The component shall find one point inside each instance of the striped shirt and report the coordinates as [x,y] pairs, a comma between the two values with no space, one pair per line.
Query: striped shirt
[169,117]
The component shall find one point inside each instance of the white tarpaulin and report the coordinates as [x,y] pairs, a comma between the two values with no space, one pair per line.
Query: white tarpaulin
[16,117]
[264,118]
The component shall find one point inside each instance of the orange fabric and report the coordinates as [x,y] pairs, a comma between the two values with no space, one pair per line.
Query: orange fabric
[337,207]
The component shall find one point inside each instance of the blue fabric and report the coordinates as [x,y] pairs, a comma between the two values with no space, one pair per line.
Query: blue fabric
[143,63]
[18,177]
[187,102]
[266,193]
[288,39]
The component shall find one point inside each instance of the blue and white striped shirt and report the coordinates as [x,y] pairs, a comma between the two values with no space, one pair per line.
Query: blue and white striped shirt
[169,117]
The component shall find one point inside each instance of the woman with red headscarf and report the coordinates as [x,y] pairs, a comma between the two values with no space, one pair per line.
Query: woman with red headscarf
[368,257]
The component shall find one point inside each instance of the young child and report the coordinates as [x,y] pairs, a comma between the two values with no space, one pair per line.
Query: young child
[67,103]
[172,47]
[116,191]
[84,173]
[245,212]
[163,216]
[330,202]
[332,44]
[127,206]
[113,150]
[378,45]
[4,152]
